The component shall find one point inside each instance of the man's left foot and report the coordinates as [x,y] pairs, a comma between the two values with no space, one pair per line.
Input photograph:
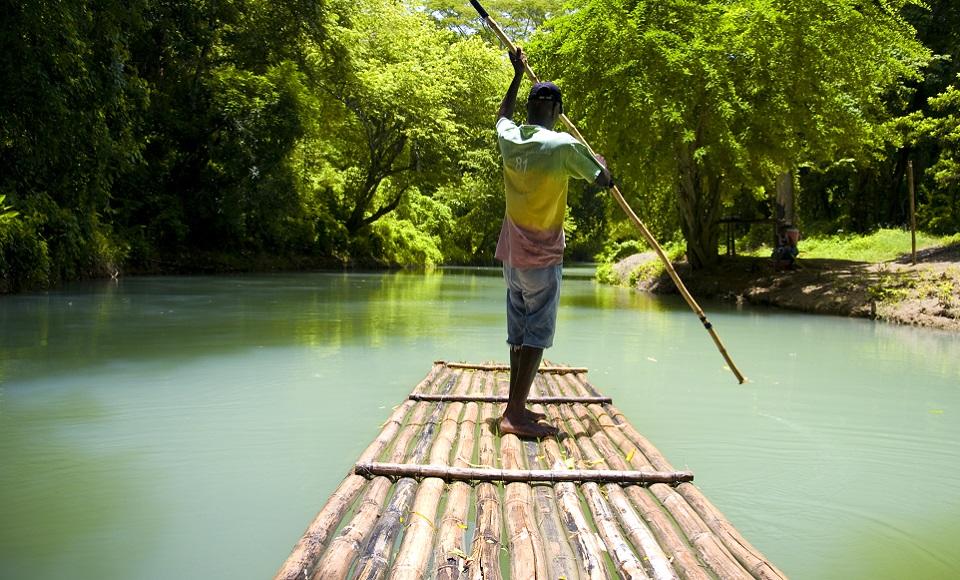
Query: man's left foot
[533,415]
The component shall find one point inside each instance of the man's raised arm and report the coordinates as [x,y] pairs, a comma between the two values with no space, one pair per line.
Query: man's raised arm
[509,103]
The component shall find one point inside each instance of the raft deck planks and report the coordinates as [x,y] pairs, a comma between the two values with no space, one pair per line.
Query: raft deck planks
[441,494]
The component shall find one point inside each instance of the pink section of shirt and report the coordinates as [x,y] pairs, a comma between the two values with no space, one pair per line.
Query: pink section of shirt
[522,248]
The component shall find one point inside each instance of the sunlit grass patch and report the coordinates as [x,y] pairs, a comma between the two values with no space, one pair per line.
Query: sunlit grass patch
[880,246]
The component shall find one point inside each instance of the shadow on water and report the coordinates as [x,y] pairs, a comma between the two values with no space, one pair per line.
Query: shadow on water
[62,501]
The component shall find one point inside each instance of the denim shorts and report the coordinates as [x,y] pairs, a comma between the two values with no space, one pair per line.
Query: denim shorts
[532,299]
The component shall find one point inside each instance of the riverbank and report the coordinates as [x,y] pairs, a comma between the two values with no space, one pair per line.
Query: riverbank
[926,294]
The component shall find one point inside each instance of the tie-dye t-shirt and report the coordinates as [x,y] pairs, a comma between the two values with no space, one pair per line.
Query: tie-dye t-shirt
[537,163]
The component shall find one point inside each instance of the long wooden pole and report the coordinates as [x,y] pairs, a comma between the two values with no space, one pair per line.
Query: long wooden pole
[520,475]
[503,399]
[624,206]
[504,367]
[913,214]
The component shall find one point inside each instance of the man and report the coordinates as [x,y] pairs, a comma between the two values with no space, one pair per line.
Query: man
[537,163]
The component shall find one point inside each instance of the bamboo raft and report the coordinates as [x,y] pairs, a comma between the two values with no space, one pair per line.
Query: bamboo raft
[440,494]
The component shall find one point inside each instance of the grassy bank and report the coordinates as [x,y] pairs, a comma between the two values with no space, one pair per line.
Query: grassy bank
[865,276]
[882,245]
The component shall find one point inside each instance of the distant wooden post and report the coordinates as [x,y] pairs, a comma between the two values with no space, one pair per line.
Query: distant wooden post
[913,214]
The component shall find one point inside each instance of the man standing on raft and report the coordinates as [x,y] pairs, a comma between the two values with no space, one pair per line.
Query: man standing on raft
[537,162]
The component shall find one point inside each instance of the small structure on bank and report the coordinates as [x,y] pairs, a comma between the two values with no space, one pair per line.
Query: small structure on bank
[441,494]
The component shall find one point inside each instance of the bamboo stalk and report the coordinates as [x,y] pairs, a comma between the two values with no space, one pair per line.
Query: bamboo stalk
[374,560]
[581,450]
[599,450]
[669,537]
[709,547]
[346,546]
[414,554]
[692,530]
[449,554]
[504,367]
[751,558]
[484,563]
[305,552]
[561,562]
[586,545]
[528,558]
[504,399]
[419,471]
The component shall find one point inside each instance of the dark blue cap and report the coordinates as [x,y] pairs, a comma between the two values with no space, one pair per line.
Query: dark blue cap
[545,91]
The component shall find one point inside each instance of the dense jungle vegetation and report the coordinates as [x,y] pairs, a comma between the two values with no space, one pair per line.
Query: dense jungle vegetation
[212,135]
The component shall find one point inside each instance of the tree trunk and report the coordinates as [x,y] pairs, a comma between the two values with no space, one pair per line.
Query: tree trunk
[699,200]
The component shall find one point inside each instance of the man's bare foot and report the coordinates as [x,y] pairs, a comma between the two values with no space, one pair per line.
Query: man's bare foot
[533,415]
[526,428]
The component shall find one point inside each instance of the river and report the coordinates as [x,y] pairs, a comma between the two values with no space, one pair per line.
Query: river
[191,427]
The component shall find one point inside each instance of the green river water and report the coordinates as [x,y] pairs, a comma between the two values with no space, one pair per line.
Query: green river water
[191,427]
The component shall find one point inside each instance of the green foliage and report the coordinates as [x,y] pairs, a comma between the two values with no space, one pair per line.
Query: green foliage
[6,212]
[160,135]
[519,19]
[941,211]
[406,106]
[712,98]
[883,245]
[24,260]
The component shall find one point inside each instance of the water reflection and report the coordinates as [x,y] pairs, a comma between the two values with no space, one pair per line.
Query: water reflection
[167,417]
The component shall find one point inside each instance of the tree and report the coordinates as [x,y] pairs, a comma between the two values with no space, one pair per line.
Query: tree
[228,105]
[71,104]
[711,99]
[941,125]
[400,103]
[520,19]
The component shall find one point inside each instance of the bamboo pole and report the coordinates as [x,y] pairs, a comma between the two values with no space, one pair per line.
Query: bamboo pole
[504,399]
[598,450]
[305,552]
[449,554]
[505,367]
[415,552]
[651,241]
[578,447]
[375,558]
[667,539]
[751,558]
[585,544]
[419,471]
[708,546]
[528,558]
[913,214]
[484,562]
[561,562]
[346,546]
[674,544]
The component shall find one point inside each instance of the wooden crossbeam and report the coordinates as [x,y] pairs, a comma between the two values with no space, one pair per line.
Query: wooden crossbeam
[520,475]
[504,399]
[502,367]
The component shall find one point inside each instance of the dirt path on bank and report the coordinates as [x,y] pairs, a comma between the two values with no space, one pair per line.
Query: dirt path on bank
[927,294]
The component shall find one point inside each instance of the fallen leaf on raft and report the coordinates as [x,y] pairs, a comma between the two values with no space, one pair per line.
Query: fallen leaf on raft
[425,518]
[630,455]
[462,526]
